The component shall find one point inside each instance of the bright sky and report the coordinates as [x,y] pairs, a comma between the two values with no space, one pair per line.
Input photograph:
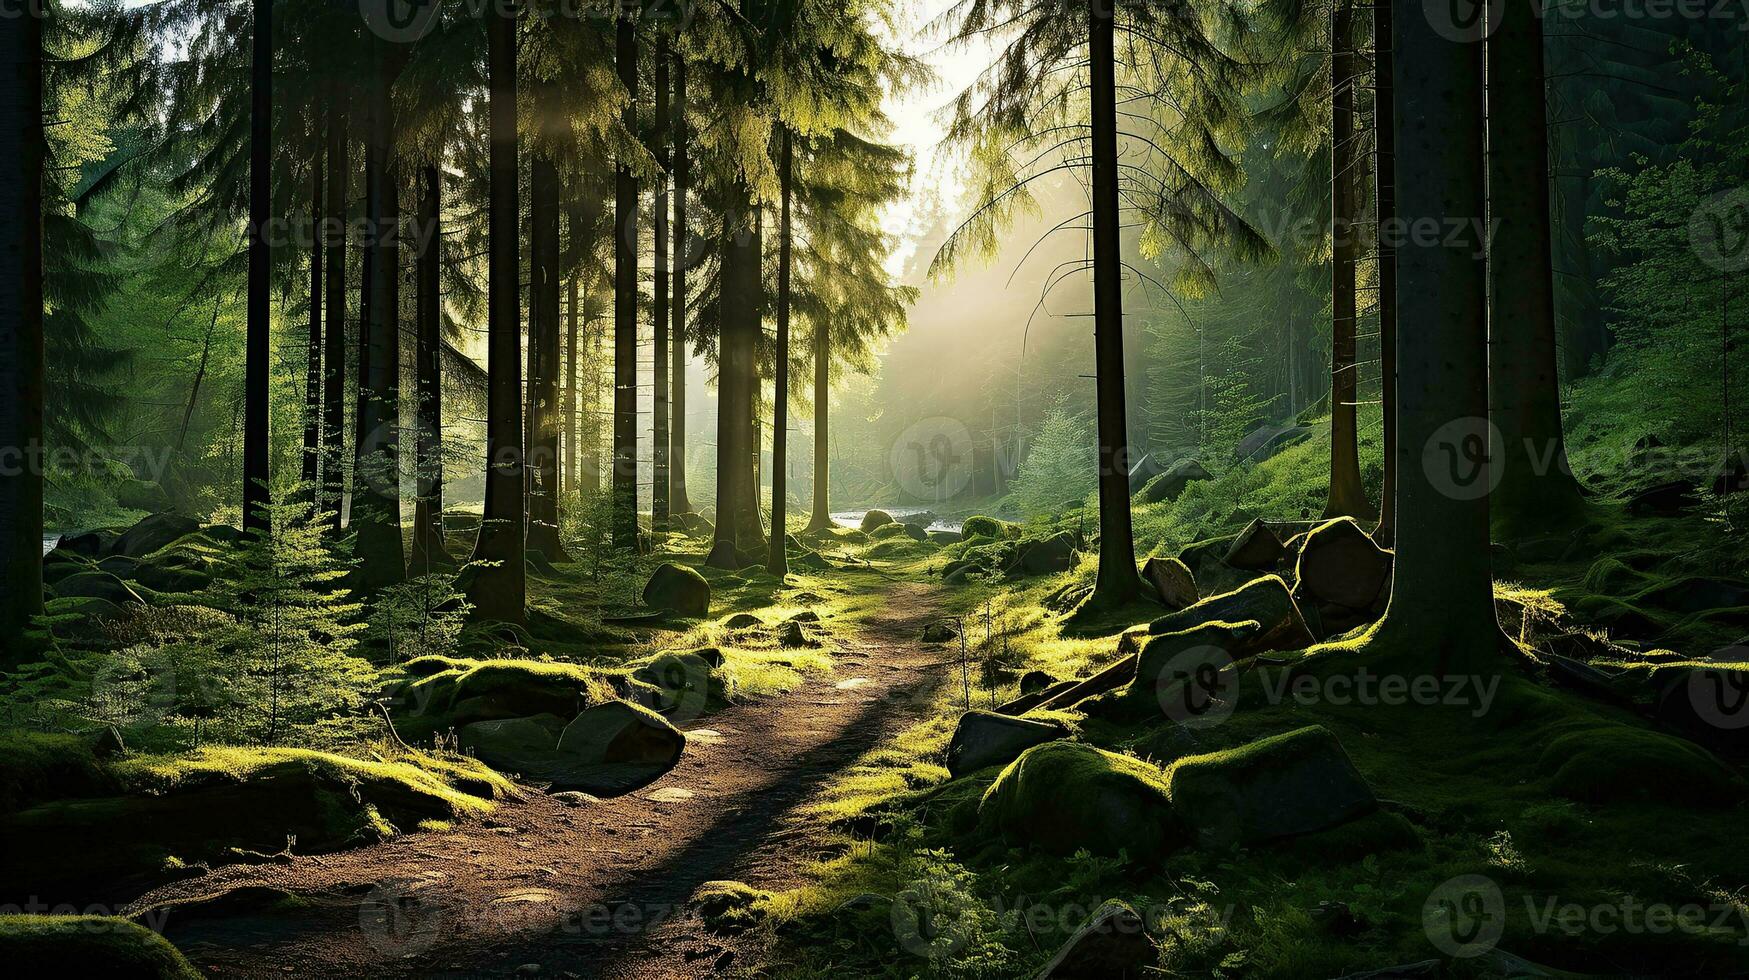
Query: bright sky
[915,115]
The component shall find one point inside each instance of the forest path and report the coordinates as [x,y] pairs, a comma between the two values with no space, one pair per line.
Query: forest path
[598,890]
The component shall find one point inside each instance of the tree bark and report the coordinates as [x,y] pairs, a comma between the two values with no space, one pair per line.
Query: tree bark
[738,315]
[334,341]
[1117,579]
[1347,494]
[257,433]
[429,551]
[625,310]
[313,352]
[1536,488]
[498,591]
[21,332]
[659,313]
[376,483]
[1441,612]
[822,518]
[779,563]
[678,502]
[1385,185]
[570,481]
[543,382]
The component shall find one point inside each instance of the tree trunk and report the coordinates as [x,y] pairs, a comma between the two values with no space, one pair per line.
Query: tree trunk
[429,551]
[313,352]
[498,591]
[659,313]
[625,310]
[678,502]
[1385,184]
[543,382]
[21,332]
[376,482]
[257,374]
[1535,490]
[779,564]
[334,342]
[1347,494]
[822,518]
[1441,613]
[738,318]
[571,315]
[1117,579]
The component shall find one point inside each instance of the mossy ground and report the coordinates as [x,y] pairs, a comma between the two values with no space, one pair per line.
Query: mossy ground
[88,946]
[1611,842]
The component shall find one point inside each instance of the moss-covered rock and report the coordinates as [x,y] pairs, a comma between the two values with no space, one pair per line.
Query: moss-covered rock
[218,804]
[1170,485]
[1172,581]
[1296,783]
[451,692]
[1112,944]
[88,946]
[96,584]
[1062,797]
[37,766]
[875,519]
[1265,600]
[151,533]
[887,531]
[1257,548]
[982,739]
[1623,764]
[980,526]
[679,588]
[1044,556]
[730,907]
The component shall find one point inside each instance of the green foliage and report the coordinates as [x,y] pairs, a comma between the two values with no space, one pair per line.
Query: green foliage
[422,616]
[1061,465]
[288,663]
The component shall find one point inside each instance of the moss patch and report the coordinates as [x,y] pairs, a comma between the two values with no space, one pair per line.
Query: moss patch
[88,946]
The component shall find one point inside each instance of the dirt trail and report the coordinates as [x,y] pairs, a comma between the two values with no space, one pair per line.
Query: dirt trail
[597,890]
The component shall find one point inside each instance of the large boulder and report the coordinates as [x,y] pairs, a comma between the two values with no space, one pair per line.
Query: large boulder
[97,584]
[1172,581]
[506,744]
[143,495]
[874,519]
[980,526]
[1256,549]
[679,588]
[1297,783]
[616,747]
[448,692]
[1062,797]
[1344,577]
[89,544]
[1266,600]
[1172,659]
[151,533]
[1267,440]
[1044,556]
[1170,484]
[88,946]
[1340,563]
[984,738]
[1111,945]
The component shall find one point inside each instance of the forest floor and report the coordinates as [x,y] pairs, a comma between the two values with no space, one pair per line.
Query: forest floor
[601,889]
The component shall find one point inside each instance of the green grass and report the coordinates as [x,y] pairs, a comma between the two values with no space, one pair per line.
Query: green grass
[88,946]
